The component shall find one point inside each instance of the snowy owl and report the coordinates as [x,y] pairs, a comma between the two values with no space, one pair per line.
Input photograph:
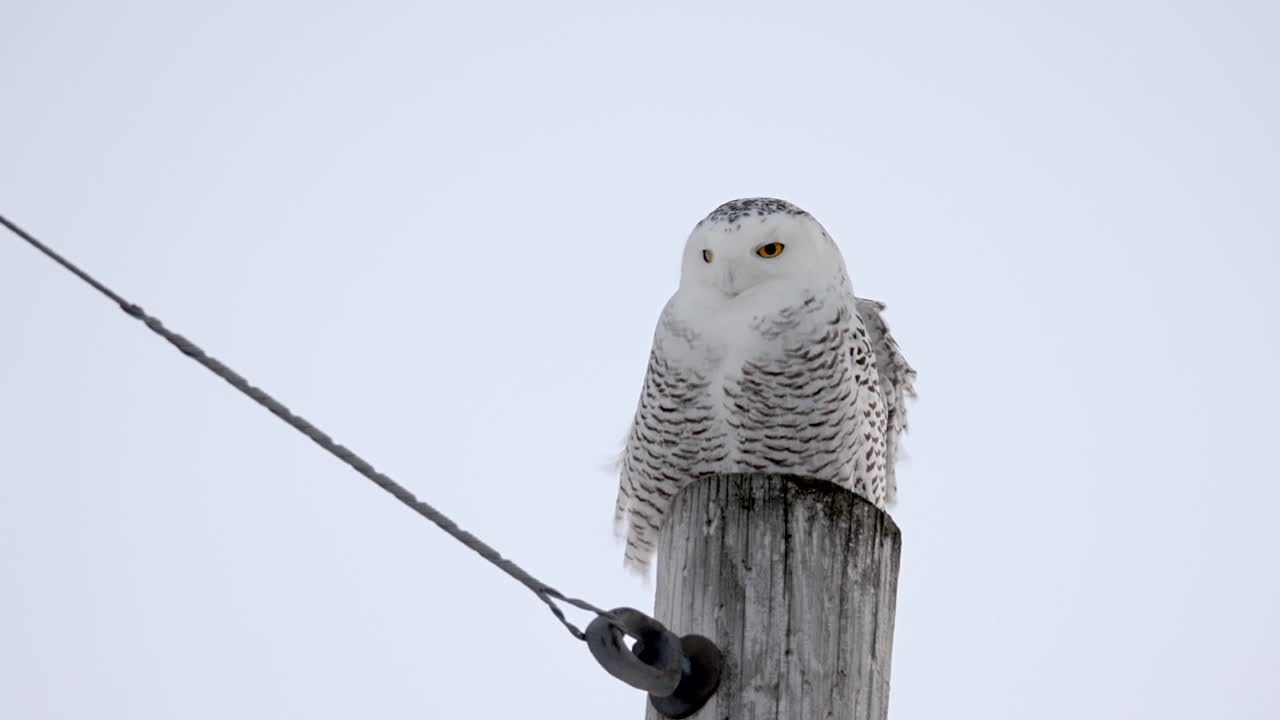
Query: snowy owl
[763,361]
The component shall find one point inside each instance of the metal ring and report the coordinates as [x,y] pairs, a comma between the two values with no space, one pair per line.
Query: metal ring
[654,664]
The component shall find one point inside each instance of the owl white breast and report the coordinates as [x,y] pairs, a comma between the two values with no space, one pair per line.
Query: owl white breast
[762,361]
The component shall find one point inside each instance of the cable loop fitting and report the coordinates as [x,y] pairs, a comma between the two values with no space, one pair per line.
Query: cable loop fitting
[679,673]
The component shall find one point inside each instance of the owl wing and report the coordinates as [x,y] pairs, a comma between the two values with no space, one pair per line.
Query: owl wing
[671,437]
[897,382]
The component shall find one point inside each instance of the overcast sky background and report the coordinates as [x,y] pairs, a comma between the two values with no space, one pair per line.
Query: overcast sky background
[443,232]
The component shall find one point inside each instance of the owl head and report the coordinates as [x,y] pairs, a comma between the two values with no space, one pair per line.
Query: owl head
[747,245]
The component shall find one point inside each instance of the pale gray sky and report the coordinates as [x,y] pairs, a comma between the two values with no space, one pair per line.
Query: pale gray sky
[444,232]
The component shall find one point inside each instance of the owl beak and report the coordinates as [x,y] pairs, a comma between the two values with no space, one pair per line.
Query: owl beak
[727,282]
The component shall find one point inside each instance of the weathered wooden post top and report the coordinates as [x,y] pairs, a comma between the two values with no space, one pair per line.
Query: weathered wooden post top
[796,581]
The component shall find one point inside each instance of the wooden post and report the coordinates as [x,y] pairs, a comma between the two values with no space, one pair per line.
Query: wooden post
[796,582]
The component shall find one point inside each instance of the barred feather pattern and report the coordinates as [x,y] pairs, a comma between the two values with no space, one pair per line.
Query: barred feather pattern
[897,385]
[817,400]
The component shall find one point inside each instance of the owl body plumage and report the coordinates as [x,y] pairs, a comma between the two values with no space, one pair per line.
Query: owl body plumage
[762,366]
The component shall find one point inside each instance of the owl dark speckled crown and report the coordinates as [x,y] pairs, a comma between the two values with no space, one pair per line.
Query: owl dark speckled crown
[735,210]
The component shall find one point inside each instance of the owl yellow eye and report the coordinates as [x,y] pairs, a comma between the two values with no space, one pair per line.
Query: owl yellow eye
[706,255]
[770,250]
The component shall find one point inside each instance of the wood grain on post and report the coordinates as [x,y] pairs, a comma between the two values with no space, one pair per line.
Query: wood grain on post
[796,582]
